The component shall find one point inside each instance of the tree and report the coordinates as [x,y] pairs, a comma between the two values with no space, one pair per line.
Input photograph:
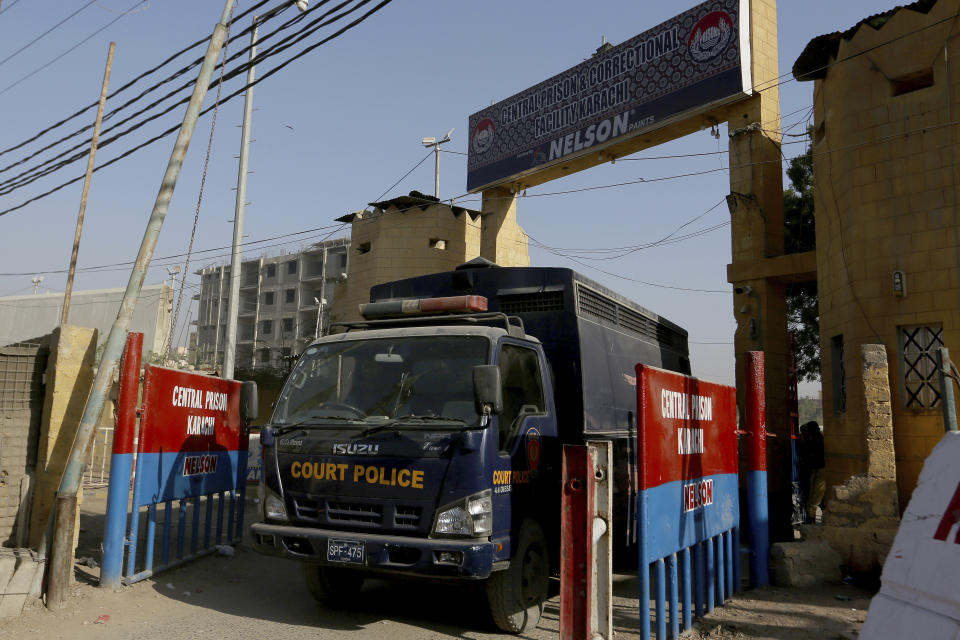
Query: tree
[798,222]
[803,316]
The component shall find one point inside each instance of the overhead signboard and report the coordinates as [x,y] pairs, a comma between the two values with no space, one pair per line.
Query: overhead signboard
[690,63]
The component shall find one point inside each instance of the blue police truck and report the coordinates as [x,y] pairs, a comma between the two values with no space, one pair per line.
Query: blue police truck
[425,440]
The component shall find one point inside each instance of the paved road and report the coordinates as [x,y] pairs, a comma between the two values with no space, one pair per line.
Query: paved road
[253,596]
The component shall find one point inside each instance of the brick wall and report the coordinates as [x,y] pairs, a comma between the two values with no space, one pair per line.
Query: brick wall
[21,406]
[394,243]
[884,169]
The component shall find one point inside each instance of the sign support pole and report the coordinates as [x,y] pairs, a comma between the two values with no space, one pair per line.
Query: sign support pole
[757,511]
[114,531]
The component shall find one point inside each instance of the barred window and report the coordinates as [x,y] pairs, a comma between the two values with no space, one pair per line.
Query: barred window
[918,352]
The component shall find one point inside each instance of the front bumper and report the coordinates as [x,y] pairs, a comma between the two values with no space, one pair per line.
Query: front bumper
[471,559]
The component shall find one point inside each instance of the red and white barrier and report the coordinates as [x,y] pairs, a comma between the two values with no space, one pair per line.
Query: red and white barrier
[919,597]
[586,563]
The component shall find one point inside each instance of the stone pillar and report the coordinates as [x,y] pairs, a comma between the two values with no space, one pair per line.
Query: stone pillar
[501,239]
[877,415]
[69,378]
[861,519]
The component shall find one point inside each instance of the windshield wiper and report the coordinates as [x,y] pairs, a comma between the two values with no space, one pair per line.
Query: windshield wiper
[393,422]
[314,421]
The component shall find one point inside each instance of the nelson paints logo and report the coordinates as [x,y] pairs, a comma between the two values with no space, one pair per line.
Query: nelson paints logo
[711,36]
[482,138]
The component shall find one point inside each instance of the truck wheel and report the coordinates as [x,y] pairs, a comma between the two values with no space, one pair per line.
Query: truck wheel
[516,595]
[331,584]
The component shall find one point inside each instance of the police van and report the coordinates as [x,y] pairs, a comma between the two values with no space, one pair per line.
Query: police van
[426,439]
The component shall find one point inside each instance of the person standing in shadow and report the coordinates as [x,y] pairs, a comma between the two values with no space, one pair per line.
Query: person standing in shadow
[812,464]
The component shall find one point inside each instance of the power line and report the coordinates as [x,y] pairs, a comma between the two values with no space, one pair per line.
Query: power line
[52,164]
[181,255]
[624,251]
[8,6]
[47,64]
[116,92]
[36,170]
[403,177]
[44,34]
[171,130]
[629,279]
[775,82]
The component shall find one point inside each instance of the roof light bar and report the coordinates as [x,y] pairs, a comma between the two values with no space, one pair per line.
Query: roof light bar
[423,306]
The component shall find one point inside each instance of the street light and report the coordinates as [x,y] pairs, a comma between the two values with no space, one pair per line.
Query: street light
[320,303]
[433,142]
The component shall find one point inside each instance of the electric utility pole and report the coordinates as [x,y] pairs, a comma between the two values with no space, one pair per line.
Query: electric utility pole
[233,302]
[94,140]
[60,567]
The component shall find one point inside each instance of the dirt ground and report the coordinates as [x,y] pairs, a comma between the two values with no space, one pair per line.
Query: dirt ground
[250,595]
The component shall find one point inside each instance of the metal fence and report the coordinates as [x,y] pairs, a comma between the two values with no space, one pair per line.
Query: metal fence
[97,474]
[21,375]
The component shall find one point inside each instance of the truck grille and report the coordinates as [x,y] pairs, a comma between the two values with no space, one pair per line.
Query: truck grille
[353,512]
[362,515]
[406,517]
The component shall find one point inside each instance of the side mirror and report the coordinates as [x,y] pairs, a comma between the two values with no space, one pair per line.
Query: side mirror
[249,401]
[487,394]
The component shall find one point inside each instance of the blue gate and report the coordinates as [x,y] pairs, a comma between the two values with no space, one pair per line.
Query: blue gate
[191,458]
[688,506]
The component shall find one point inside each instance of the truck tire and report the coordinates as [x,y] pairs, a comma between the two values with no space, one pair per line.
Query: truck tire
[516,595]
[331,584]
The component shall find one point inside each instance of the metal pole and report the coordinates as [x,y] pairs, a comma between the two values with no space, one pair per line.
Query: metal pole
[757,508]
[70,482]
[86,185]
[436,170]
[233,304]
[323,293]
[946,391]
[121,464]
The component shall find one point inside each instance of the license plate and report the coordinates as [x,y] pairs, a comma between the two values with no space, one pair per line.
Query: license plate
[345,551]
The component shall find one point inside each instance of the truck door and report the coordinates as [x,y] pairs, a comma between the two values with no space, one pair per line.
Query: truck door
[525,430]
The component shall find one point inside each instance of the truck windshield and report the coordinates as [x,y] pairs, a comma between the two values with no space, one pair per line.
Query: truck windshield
[373,380]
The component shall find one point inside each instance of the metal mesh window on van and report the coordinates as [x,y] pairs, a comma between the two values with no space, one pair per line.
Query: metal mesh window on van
[594,304]
[667,336]
[636,322]
[531,302]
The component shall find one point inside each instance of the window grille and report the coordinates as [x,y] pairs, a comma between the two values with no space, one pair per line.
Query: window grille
[921,382]
[531,302]
[595,304]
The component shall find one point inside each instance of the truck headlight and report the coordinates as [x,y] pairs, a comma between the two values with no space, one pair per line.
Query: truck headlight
[472,516]
[273,507]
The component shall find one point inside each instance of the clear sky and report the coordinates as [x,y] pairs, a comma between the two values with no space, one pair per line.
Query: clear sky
[337,127]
